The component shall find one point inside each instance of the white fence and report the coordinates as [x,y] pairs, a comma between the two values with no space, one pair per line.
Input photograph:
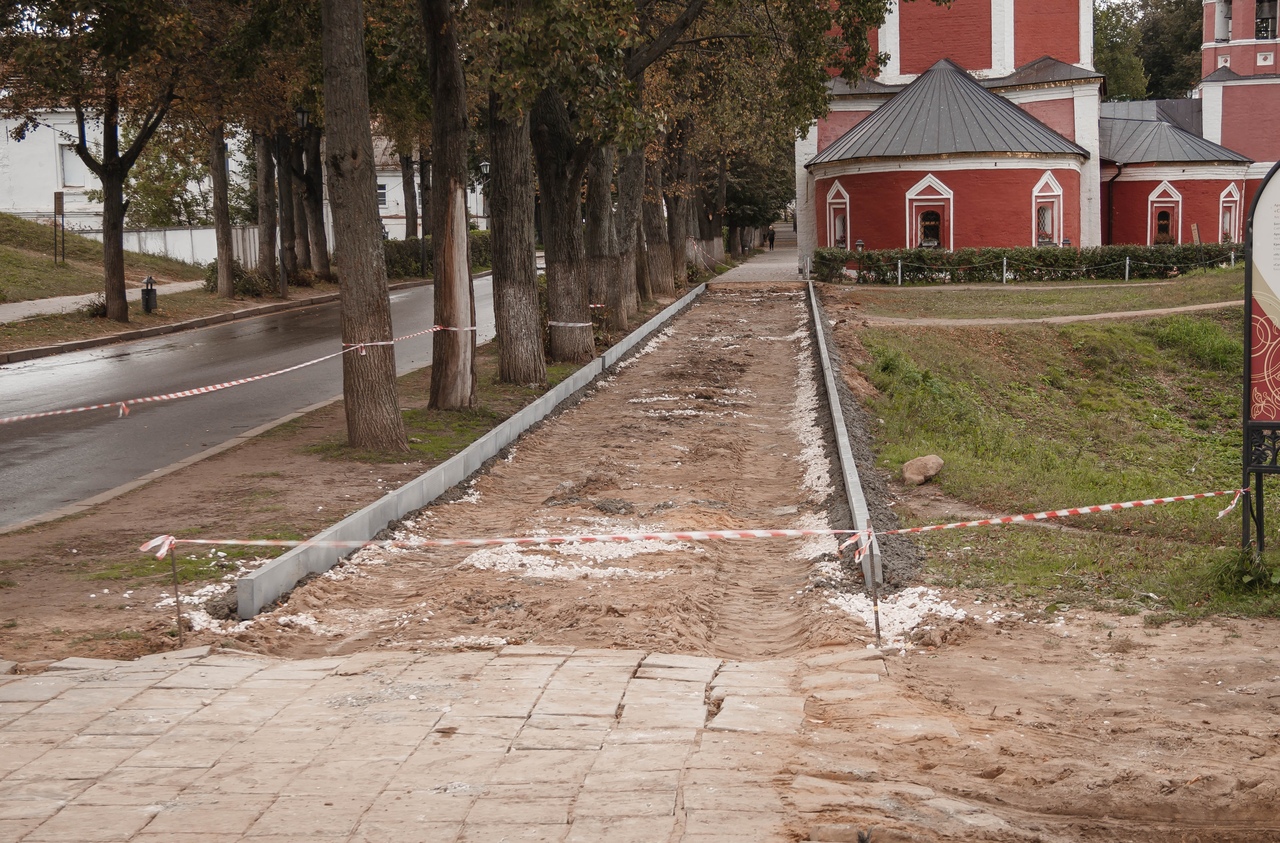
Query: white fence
[190,245]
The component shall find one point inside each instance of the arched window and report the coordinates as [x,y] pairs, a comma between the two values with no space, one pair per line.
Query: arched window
[1046,213]
[1229,215]
[837,217]
[929,215]
[930,229]
[1164,215]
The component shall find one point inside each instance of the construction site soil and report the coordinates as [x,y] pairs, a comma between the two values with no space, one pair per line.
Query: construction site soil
[984,721]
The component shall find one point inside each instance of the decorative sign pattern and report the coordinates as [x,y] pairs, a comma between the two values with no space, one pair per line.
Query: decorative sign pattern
[1264,339]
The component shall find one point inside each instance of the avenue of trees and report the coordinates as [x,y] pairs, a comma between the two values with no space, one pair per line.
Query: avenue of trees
[626,128]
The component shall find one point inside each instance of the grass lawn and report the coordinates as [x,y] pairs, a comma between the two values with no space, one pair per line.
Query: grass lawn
[1035,417]
[27,269]
[1039,300]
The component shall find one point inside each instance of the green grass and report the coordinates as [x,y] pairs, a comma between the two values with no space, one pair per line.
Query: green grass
[1038,301]
[436,435]
[27,269]
[202,564]
[1030,418]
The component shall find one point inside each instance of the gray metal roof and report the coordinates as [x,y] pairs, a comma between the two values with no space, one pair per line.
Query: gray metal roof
[1043,70]
[945,112]
[1157,142]
[1187,114]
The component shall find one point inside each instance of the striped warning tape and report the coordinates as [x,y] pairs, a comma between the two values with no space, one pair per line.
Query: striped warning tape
[1056,513]
[162,544]
[204,390]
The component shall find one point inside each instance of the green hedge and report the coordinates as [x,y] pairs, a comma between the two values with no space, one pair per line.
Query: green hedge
[971,266]
[404,257]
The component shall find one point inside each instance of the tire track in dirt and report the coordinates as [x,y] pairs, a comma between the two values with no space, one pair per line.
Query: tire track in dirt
[714,425]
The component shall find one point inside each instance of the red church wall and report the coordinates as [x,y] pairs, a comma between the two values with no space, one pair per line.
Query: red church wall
[836,123]
[991,207]
[1059,115]
[1201,204]
[1251,120]
[1046,28]
[962,33]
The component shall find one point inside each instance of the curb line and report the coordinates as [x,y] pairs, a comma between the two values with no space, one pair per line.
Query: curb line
[23,354]
[278,577]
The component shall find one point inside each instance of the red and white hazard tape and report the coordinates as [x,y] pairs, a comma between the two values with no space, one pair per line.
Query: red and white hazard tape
[1056,513]
[204,390]
[163,544]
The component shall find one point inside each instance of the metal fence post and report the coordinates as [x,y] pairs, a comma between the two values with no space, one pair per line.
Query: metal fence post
[1126,268]
[1004,271]
[899,272]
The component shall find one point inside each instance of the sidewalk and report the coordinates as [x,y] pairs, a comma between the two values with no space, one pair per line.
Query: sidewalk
[524,743]
[17,311]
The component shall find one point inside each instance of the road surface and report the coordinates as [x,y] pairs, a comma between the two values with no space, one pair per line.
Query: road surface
[46,464]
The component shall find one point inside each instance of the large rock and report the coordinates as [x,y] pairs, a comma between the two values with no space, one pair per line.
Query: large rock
[921,470]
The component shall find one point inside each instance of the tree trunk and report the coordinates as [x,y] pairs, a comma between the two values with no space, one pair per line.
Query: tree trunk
[369,373]
[302,241]
[284,185]
[643,290]
[221,209]
[515,277]
[424,194]
[113,208]
[266,206]
[112,176]
[453,364]
[678,190]
[736,236]
[410,197]
[627,223]
[604,284]
[314,192]
[657,249]
[561,163]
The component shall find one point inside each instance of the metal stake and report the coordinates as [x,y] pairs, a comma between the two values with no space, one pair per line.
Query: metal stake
[177,598]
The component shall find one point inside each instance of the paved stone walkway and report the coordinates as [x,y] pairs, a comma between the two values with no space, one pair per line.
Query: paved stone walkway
[527,743]
[15,311]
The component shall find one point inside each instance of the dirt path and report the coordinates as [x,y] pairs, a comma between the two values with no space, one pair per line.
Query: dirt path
[714,427]
[930,322]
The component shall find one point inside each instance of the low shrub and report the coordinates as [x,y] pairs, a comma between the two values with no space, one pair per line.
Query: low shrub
[829,264]
[972,266]
[245,283]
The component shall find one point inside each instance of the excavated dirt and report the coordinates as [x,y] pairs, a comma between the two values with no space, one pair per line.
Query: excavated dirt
[987,721]
[706,430]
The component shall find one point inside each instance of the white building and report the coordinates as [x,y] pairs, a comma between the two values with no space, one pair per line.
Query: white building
[43,163]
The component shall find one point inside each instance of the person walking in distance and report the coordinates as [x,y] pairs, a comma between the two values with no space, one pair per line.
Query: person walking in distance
[772,234]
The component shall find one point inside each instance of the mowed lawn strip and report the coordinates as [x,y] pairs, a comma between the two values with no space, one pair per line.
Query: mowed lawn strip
[1033,417]
[1041,300]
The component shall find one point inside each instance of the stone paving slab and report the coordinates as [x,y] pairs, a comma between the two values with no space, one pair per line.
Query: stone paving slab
[523,743]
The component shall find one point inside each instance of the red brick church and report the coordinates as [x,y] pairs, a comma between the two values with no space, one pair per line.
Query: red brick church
[987,128]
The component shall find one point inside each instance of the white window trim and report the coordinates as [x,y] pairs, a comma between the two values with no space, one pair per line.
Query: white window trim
[1173,198]
[915,201]
[1047,190]
[837,197]
[1230,196]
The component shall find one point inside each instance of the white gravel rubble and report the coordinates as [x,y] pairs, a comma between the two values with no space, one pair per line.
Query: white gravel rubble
[804,424]
[900,613]
[467,642]
[512,559]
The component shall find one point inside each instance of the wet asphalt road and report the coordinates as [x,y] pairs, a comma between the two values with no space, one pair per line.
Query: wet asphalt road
[46,464]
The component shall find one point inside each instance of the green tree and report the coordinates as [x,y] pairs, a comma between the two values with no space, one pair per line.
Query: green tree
[1116,34]
[1172,32]
[114,62]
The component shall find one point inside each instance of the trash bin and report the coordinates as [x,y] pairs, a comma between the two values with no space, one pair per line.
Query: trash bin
[148,294]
